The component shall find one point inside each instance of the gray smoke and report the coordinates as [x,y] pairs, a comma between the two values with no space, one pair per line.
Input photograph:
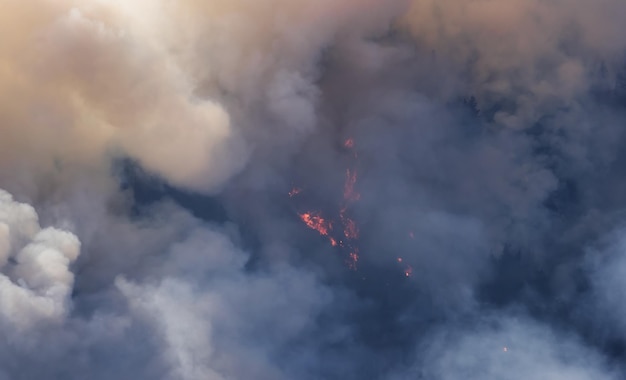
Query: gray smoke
[148,150]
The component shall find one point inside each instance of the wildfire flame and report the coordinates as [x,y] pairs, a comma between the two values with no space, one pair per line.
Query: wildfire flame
[317,223]
[348,243]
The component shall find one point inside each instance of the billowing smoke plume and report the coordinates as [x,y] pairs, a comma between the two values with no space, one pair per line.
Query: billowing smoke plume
[36,280]
[272,189]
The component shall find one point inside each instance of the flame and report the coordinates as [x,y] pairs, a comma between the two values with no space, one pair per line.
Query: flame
[408,272]
[348,189]
[295,191]
[313,220]
[349,242]
[317,223]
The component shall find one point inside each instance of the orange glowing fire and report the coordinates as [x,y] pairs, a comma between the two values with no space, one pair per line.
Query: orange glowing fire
[295,191]
[317,223]
[324,227]
[348,243]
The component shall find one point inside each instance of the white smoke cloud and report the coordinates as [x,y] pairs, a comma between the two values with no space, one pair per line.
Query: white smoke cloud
[510,348]
[99,87]
[239,99]
[36,280]
[603,308]
[144,79]
[540,55]
[217,322]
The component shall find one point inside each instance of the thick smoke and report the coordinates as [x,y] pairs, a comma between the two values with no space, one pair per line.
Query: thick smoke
[36,279]
[160,161]
[507,348]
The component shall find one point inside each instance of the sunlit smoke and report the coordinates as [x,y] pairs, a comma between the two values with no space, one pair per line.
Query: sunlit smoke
[312,189]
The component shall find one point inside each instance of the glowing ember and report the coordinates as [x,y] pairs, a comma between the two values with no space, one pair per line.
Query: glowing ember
[350,230]
[316,223]
[348,190]
[353,259]
[295,191]
[408,272]
[348,243]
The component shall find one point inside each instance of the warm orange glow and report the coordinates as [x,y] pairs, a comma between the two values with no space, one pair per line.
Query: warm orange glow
[353,259]
[347,243]
[408,272]
[316,223]
[350,230]
[295,191]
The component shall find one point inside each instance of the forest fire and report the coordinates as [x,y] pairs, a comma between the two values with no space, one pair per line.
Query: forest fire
[348,243]
[316,223]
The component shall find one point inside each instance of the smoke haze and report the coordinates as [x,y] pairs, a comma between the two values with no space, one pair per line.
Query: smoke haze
[312,189]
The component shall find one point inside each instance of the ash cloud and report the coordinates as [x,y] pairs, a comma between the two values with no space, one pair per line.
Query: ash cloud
[150,151]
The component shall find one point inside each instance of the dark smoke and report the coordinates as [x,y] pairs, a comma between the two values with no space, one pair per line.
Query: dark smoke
[157,157]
